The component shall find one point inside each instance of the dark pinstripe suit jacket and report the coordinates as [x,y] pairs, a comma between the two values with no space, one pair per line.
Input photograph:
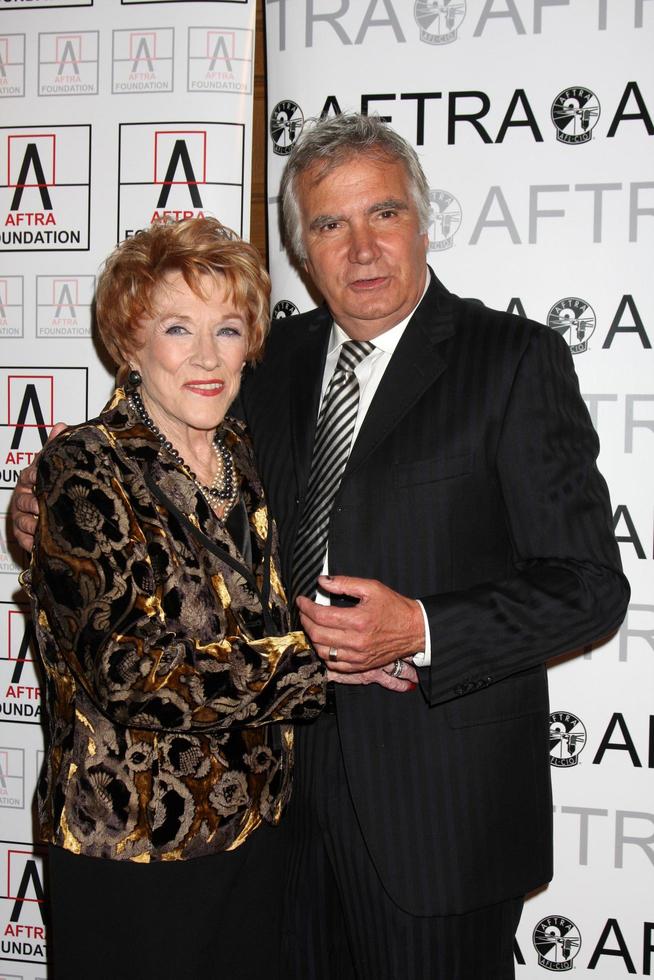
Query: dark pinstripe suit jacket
[472,485]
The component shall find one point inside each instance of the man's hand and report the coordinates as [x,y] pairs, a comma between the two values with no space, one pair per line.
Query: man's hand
[384,626]
[24,505]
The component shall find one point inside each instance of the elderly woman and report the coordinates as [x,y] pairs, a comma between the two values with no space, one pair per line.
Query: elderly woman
[170,667]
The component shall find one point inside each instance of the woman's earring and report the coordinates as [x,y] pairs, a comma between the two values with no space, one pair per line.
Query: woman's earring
[134,378]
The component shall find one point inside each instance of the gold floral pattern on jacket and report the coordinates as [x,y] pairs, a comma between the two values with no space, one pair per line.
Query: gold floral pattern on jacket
[171,672]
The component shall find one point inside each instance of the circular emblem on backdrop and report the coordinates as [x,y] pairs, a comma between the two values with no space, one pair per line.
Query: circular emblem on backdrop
[557,941]
[444,220]
[283,309]
[439,20]
[575,112]
[286,122]
[575,320]
[567,739]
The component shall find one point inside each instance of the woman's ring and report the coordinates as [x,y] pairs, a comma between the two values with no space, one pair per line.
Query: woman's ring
[397,669]
[333,653]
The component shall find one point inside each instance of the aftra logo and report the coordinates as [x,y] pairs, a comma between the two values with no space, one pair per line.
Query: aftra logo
[20,689]
[44,205]
[219,60]
[575,320]
[284,308]
[169,172]
[286,124]
[12,778]
[557,941]
[22,903]
[439,20]
[445,220]
[63,306]
[143,60]
[567,739]
[575,112]
[12,65]
[31,401]
[69,63]
[11,306]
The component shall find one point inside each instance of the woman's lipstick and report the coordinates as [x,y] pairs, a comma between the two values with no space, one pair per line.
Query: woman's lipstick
[208,389]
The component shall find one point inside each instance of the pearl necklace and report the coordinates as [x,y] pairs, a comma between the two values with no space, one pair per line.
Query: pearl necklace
[223,490]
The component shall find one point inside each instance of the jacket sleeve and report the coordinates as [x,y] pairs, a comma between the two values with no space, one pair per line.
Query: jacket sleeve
[102,599]
[566,587]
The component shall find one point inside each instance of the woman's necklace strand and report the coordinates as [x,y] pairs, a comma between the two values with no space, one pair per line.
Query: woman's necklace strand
[223,488]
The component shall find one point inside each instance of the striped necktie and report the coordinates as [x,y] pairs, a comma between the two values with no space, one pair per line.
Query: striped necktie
[331,450]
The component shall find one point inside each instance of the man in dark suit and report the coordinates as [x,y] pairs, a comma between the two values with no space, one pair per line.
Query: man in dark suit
[472,531]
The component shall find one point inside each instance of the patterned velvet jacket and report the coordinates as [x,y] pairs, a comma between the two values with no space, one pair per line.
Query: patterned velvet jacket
[167,654]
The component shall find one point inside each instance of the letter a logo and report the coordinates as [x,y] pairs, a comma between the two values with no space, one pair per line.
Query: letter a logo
[220,53]
[68,57]
[30,878]
[142,54]
[65,300]
[31,160]
[30,399]
[179,155]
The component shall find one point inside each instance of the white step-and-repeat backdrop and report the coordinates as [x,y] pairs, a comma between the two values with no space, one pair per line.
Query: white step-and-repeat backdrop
[113,113]
[534,121]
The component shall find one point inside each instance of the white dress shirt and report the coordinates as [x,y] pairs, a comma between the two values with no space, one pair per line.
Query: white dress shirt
[369,373]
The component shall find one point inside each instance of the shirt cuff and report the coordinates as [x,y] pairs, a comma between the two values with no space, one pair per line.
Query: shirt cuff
[423,657]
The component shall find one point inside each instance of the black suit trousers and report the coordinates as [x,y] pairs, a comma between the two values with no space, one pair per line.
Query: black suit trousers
[339,922]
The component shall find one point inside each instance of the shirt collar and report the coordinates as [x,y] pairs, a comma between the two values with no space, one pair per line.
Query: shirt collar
[386,341]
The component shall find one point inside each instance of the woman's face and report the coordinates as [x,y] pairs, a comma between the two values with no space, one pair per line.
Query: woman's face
[192,355]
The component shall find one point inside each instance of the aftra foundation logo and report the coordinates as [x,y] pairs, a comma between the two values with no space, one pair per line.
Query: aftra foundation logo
[445,220]
[20,688]
[68,63]
[439,20]
[22,903]
[219,60]
[44,188]
[12,779]
[11,306]
[63,306]
[12,65]
[171,171]
[143,60]
[31,401]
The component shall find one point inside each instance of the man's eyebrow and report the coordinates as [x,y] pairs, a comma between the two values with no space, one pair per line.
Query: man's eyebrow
[324,219]
[392,204]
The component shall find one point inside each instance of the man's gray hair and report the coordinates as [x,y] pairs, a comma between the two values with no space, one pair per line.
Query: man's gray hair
[330,143]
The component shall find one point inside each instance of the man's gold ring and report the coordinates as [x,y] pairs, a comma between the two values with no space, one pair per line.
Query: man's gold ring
[333,653]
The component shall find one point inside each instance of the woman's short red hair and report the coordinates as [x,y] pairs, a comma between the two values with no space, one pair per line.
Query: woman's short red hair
[196,247]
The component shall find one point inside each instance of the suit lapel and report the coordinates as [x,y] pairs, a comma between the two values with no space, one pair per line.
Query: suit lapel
[415,365]
[307,366]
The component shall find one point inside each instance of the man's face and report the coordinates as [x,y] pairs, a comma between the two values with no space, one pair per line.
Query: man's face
[365,251]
